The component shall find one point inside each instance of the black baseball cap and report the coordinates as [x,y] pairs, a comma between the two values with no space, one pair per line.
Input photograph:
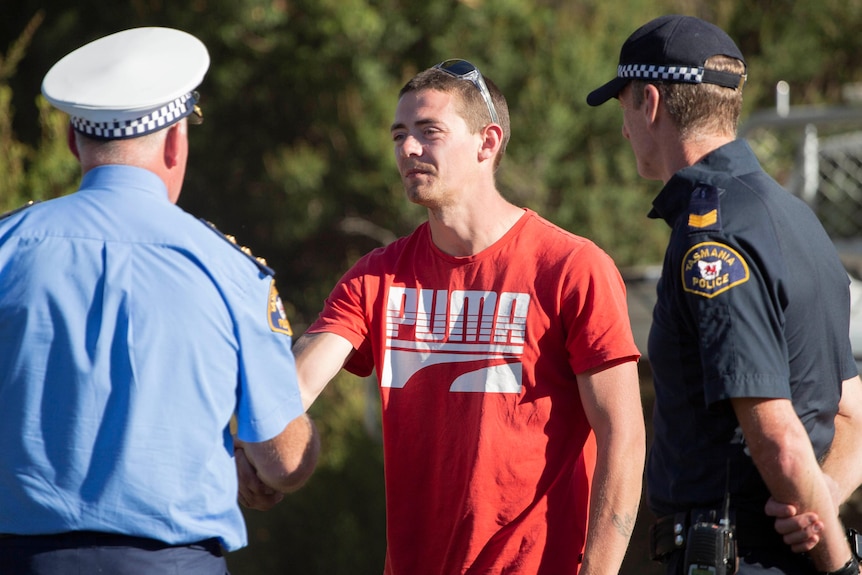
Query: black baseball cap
[672,49]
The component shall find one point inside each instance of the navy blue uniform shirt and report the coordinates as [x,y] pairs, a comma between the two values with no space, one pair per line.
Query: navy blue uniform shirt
[753,301]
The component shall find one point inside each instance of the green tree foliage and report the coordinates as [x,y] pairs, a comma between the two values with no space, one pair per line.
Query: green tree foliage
[31,173]
[295,158]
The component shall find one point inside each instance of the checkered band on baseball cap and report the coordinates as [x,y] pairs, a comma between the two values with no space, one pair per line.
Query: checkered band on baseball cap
[152,122]
[668,73]
[672,49]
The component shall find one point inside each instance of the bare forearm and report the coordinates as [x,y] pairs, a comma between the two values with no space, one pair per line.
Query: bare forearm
[809,491]
[782,452]
[611,400]
[287,461]
[842,470]
[319,357]
[843,463]
[614,501]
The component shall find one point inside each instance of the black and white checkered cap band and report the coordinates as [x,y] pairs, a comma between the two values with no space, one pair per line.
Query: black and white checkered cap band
[156,120]
[668,73]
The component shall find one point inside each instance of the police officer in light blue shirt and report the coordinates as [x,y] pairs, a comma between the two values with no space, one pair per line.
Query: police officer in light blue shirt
[131,336]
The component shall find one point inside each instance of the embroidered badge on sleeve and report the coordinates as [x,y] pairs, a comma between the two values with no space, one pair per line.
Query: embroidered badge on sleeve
[710,268]
[275,311]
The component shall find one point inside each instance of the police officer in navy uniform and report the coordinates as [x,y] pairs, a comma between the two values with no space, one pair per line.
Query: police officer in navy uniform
[754,376]
[132,336]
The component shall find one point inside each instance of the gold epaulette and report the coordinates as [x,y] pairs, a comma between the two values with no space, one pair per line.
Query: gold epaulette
[259,261]
[16,210]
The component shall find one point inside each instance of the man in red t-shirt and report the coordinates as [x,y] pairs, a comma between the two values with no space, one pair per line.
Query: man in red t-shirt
[500,341]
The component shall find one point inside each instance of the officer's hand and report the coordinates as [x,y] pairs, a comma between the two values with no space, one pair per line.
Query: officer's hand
[253,493]
[800,531]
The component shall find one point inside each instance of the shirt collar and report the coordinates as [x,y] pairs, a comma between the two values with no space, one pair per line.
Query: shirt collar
[731,160]
[125,178]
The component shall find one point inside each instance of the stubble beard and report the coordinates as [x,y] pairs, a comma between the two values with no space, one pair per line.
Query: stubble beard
[420,193]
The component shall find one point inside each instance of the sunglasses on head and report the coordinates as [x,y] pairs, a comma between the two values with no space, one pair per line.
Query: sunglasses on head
[464,70]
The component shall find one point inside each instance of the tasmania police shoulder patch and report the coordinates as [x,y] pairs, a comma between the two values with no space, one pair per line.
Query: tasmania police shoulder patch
[275,310]
[710,268]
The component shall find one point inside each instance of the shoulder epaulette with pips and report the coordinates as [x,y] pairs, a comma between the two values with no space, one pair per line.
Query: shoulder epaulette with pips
[259,262]
[16,210]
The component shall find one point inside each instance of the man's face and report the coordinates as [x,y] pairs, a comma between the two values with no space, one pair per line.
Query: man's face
[437,156]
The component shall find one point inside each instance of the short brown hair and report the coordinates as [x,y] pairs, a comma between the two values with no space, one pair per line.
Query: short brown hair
[470,105]
[700,108]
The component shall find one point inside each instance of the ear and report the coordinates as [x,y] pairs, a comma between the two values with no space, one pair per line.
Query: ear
[172,146]
[492,139]
[652,103]
[72,142]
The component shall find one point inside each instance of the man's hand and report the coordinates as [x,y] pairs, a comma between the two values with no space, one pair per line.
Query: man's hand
[253,493]
[800,532]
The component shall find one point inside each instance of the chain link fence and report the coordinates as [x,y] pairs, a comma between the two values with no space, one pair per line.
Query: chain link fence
[817,155]
[838,201]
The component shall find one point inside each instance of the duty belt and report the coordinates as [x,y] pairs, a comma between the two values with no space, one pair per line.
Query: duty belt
[669,533]
[97,538]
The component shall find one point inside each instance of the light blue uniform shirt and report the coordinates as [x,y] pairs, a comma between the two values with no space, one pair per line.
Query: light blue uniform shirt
[130,333]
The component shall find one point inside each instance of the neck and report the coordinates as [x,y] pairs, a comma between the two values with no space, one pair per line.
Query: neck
[460,231]
[691,151]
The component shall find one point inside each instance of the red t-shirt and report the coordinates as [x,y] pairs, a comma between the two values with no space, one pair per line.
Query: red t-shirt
[483,427]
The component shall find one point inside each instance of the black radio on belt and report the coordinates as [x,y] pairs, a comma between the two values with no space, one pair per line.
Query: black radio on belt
[711,545]
[710,548]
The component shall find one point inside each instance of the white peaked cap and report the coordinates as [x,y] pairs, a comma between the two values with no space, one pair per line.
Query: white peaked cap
[130,83]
